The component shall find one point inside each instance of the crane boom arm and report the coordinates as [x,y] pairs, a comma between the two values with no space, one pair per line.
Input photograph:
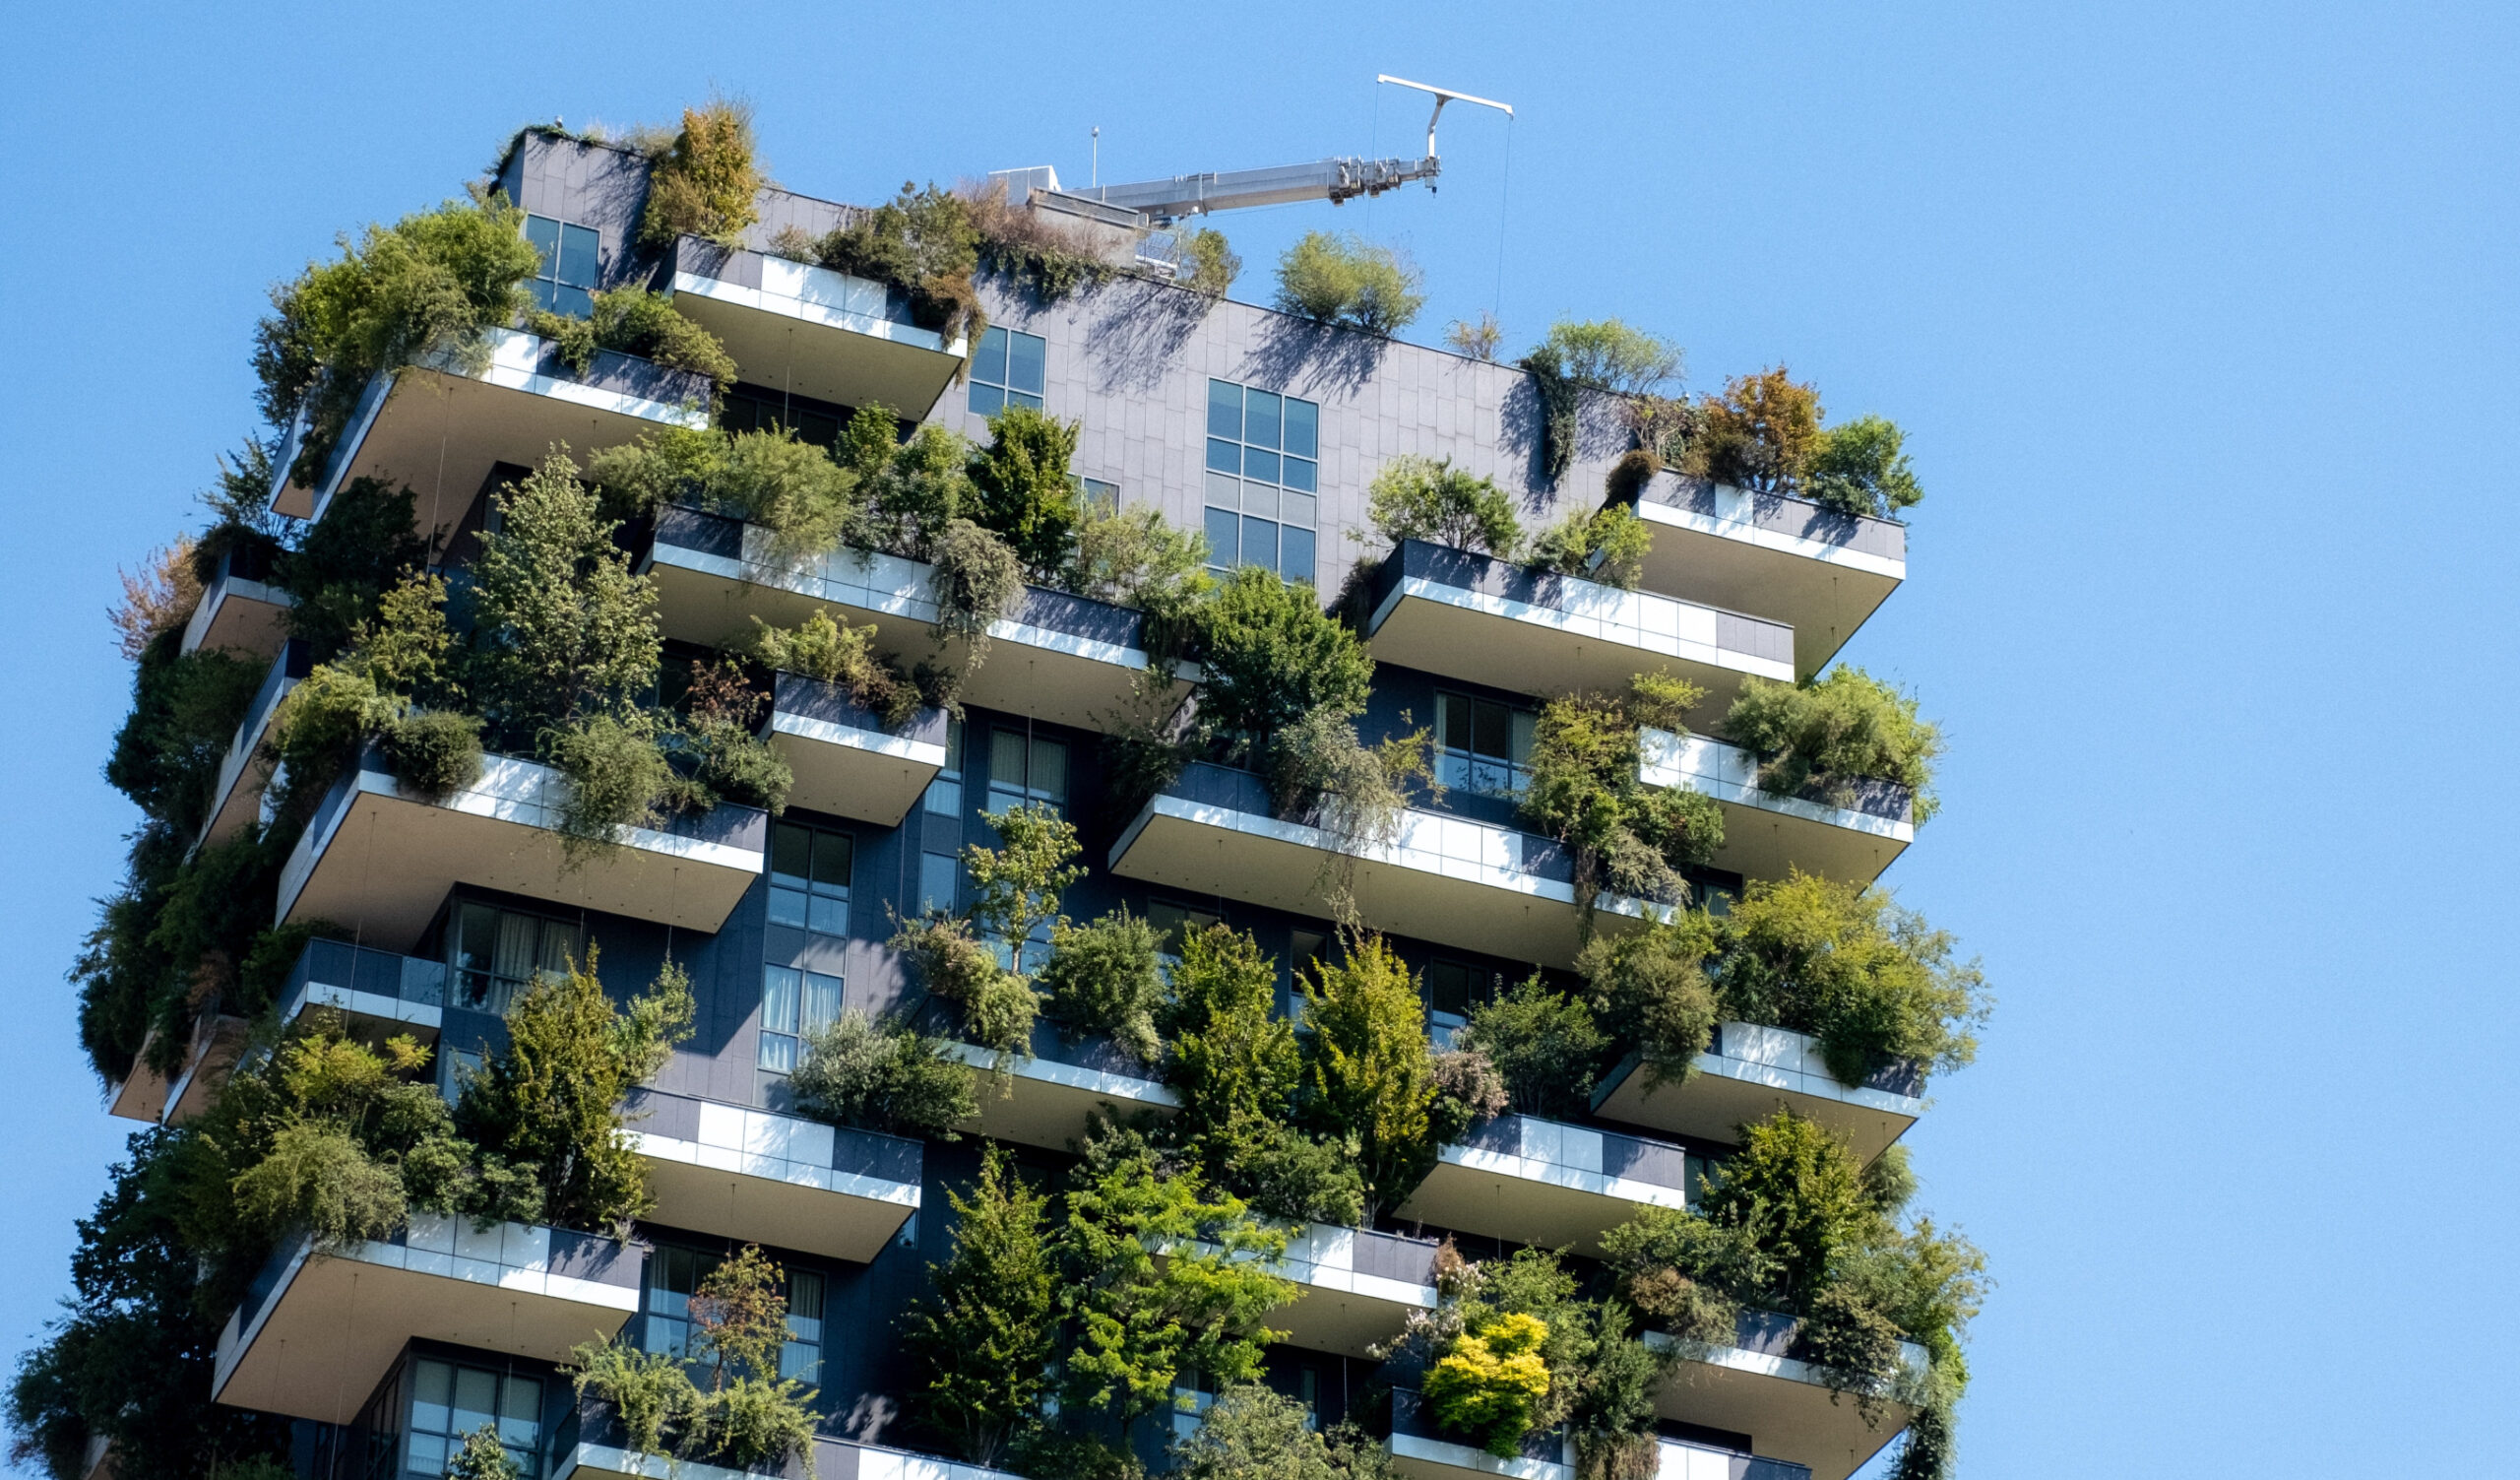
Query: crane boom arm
[1181,195]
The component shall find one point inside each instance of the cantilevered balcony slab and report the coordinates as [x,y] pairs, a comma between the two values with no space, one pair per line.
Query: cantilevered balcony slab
[1785,1405]
[1549,1185]
[1749,1072]
[141,1093]
[591,1446]
[240,610]
[380,862]
[763,1178]
[1422,1450]
[1054,1096]
[218,1041]
[1358,1287]
[847,762]
[378,993]
[1470,885]
[1767,835]
[1818,571]
[236,797]
[813,332]
[441,426]
[1060,658]
[1508,626]
[316,1330]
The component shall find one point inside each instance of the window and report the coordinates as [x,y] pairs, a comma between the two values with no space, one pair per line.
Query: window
[810,878]
[564,283]
[940,884]
[1007,370]
[1098,495]
[1171,921]
[945,793]
[746,408]
[1263,480]
[1482,746]
[1453,988]
[1025,768]
[493,953]
[793,1004]
[675,1276]
[449,1400]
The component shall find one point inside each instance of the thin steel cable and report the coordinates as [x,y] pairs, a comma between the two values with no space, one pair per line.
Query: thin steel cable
[1504,194]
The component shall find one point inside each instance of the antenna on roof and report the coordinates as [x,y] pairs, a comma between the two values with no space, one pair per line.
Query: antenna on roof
[1442,96]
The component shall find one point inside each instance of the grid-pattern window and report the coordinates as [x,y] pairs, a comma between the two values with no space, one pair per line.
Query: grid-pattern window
[794,1004]
[945,793]
[1101,496]
[675,1276]
[493,953]
[1025,768]
[1482,746]
[451,1401]
[1453,988]
[810,878]
[1263,480]
[1007,370]
[752,409]
[940,884]
[564,281]
[1171,921]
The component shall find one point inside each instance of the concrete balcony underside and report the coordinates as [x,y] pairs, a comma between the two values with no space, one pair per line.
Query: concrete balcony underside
[847,762]
[1469,616]
[1822,572]
[759,1177]
[241,616]
[1059,657]
[1052,1097]
[1357,1287]
[1469,884]
[598,1451]
[811,331]
[141,1093]
[1548,1184]
[1749,1072]
[1783,1403]
[441,426]
[317,1330]
[218,1041]
[1767,835]
[379,862]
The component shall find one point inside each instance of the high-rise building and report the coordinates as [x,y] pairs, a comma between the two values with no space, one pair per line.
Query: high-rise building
[853,524]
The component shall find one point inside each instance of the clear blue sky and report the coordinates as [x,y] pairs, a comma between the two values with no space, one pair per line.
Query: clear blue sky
[2201,321]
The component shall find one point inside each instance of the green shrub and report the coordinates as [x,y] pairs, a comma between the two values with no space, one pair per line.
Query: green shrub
[1648,989]
[1607,545]
[1369,1073]
[997,1006]
[922,243]
[665,466]
[884,1075]
[1251,1433]
[435,756]
[1842,963]
[1320,773]
[1585,792]
[1759,433]
[1606,355]
[914,490]
[1025,495]
[1561,409]
[1544,1041]
[977,581]
[1272,656]
[562,629]
[635,321]
[1854,1346]
[1138,558]
[759,1422]
[1102,978]
[1212,262]
[707,182]
[1479,340]
[317,1177]
[1795,1190]
[792,488]
[363,545]
[840,654]
[1821,737]
[184,710]
[482,1457]
[617,779]
[1469,1091]
[1488,1384]
[1689,1273]
[1860,467]
[981,1338]
[1349,281]
[1427,498]
[650,1392]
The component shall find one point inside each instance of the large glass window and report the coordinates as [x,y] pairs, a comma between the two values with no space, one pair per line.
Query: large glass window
[1482,746]
[673,1277]
[1171,921]
[945,793]
[564,281]
[1263,480]
[794,1004]
[810,878]
[493,953]
[1008,370]
[1025,768]
[451,1401]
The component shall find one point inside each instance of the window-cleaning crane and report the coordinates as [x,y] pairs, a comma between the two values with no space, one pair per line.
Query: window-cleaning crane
[1144,205]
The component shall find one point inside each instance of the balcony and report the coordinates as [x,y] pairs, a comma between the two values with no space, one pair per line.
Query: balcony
[847,762]
[765,1177]
[813,332]
[240,609]
[218,1041]
[1482,620]
[141,1093]
[381,862]
[1052,1097]
[1821,571]
[378,993]
[1470,885]
[1358,1285]
[1766,835]
[237,798]
[1059,657]
[316,1330]
[1753,1387]
[1749,1072]
[1420,1451]
[1548,1184]
[591,1446]
[440,426]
